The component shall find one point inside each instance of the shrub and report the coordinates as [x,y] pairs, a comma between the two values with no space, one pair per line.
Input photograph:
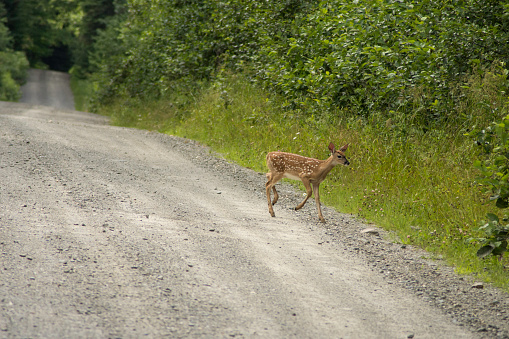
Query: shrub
[494,140]
[13,68]
[13,65]
[366,56]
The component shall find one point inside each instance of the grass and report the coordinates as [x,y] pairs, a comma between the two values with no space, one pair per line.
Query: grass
[417,184]
[83,90]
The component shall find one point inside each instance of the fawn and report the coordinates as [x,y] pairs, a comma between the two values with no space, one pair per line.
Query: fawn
[308,170]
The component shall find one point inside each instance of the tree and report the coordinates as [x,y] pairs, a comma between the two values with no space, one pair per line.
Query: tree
[98,15]
[13,65]
[58,33]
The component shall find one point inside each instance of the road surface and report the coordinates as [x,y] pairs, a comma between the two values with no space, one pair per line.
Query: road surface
[48,88]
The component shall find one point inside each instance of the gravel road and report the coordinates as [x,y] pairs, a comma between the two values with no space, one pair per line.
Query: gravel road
[109,232]
[48,88]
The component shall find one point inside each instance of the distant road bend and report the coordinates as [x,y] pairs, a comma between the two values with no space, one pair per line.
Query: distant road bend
[48,88]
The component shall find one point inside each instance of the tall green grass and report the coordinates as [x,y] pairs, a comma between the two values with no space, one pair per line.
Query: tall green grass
[82,90]
[418,182]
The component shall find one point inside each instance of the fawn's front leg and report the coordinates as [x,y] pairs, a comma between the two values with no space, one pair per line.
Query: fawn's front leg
[309,191]
[316,192]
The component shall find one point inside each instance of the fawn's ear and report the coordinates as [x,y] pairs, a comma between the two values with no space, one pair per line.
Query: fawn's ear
[342,149]
[332,148]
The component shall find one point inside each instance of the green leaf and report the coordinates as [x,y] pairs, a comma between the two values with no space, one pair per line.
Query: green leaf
[485,226]
[502,203]
[484,251]
[500,248]
[478,164]
[492,217]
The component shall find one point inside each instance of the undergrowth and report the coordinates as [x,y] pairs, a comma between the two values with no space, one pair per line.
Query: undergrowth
[82,90]
[416,181]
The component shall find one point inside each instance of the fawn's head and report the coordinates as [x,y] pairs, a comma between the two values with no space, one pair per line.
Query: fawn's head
[338,155]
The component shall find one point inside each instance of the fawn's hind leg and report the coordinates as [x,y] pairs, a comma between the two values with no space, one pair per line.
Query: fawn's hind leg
[273,179]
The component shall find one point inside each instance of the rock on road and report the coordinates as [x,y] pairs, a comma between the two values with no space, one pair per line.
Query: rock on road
[113,232]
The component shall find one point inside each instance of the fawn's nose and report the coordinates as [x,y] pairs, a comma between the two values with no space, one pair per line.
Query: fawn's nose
[347,163]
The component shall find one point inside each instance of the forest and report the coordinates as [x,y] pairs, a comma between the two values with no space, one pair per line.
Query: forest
[418,88]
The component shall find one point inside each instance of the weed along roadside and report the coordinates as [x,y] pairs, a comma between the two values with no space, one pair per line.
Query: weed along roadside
[294,78]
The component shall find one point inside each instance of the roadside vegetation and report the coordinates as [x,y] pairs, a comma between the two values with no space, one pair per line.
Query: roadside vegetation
[417,88]
[13,64]
[83,91]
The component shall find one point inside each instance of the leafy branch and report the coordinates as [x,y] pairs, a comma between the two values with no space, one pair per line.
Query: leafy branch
[495,177]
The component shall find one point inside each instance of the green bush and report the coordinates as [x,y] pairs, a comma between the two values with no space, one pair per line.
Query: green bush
[16,64]
[399,58]
[496,236]
[13,65]
[9,90]
[382,55]
[494,176]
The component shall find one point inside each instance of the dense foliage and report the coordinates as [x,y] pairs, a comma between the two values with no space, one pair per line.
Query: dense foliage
[494,176]
[384,55]
[88,48]
[365,55]
[43,28]
[13,65]
[58,34]
[399,57]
